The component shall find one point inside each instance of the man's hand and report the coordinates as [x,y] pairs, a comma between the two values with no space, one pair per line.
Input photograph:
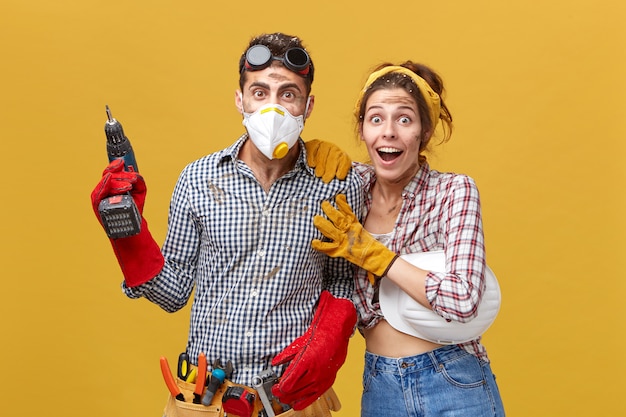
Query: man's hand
[116,181]
[349,240]
[328,160]
[139,256]
[317,355]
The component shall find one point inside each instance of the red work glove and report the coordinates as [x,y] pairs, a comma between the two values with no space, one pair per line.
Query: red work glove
[317,355]
[139,256]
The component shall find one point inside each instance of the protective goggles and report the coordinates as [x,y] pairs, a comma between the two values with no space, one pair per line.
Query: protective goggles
[259,57]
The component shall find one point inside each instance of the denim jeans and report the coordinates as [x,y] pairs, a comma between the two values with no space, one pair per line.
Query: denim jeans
[444,382]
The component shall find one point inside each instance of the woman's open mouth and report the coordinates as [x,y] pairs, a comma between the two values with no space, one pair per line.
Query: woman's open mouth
[388,154]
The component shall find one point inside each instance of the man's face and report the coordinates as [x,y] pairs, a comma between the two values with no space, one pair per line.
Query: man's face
[276,85]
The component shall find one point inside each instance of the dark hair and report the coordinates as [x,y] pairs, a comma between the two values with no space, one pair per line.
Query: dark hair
[278,43]
[398,80]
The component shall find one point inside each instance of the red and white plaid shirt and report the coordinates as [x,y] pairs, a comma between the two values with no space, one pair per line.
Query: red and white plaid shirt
[440,211]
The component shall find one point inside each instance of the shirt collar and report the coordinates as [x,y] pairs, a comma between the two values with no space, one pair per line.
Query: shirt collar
[418,182]
[412,188]
[231,152]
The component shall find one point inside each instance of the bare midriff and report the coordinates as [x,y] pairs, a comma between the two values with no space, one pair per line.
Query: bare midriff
[384,340]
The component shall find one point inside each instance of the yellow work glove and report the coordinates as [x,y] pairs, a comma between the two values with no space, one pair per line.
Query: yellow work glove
[349,240]
[328,160]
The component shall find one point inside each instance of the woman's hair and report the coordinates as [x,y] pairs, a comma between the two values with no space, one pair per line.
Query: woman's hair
[393,80]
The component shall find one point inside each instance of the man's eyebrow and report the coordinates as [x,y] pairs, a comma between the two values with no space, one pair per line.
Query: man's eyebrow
[259,84]
[289,85]
[281,87]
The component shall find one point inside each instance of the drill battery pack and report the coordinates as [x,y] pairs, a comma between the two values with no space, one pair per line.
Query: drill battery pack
[120,217]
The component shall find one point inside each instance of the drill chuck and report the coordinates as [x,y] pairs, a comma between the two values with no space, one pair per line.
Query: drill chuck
[118,145]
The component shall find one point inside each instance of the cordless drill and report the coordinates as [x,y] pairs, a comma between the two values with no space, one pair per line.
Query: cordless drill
[119,214]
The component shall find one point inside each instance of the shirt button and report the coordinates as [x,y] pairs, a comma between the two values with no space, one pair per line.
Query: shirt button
[261,252]
[249,333]
[255,293]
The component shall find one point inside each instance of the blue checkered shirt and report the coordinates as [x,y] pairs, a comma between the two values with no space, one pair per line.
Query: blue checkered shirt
[247,253]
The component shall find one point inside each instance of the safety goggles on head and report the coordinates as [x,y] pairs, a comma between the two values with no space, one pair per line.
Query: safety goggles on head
[259,57]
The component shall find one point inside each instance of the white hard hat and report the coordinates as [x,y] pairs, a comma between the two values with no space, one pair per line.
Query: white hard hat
[405,314]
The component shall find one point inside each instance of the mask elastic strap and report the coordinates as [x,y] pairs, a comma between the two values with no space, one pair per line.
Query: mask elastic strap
[306,108]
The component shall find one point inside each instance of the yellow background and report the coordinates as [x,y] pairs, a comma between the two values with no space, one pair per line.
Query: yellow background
[537,89]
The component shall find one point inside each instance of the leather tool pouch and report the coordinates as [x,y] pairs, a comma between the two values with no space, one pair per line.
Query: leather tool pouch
[322,407]
[175,408]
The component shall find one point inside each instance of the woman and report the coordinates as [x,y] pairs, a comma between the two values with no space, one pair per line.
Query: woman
[411,208]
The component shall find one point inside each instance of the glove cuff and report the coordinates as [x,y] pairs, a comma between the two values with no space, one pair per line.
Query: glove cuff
[139,256]
[389,259]
[338,313]
[378,258]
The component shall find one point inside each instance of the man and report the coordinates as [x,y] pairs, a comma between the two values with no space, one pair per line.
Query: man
[239,231]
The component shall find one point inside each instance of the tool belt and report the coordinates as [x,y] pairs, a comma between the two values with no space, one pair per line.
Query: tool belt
[322,407]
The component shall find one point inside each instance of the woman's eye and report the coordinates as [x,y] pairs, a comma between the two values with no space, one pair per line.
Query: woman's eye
[376,119]
[405,120]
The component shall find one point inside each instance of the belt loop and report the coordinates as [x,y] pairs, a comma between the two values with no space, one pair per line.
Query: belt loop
[374,360]
[436,365]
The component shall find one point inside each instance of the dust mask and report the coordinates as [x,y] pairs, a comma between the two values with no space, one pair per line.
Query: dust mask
[273,130]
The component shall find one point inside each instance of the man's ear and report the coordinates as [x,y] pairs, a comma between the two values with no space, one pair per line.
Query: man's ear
[239,101]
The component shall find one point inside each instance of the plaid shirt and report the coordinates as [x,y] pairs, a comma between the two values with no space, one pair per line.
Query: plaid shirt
[440,211]
[248,254]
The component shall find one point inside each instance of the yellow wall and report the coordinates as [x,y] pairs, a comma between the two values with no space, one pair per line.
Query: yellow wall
[537,89]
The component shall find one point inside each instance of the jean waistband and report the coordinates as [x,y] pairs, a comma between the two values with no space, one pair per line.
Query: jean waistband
[417,362]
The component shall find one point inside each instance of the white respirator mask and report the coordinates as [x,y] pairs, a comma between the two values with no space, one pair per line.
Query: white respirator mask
[274,130]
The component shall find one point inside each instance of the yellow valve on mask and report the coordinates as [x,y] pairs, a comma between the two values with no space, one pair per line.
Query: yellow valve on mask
[281,150]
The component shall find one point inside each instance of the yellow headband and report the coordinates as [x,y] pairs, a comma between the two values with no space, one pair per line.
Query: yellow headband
[432,98]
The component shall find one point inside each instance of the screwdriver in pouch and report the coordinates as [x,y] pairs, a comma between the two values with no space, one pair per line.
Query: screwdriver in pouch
[119,213]
[184,366]
[200,379]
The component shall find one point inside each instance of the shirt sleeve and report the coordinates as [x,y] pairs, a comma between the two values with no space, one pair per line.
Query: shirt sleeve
[456,294]
[339,278]
[172,288]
